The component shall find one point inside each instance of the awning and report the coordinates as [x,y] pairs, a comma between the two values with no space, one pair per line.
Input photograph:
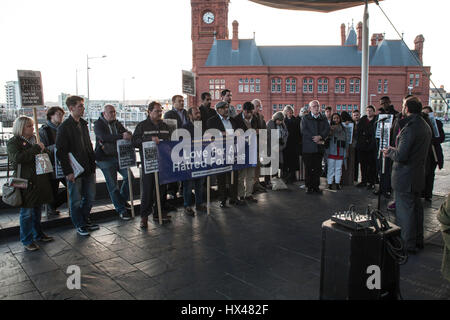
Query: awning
[312,5]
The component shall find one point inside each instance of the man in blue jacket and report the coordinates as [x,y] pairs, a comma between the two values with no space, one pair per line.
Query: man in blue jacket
[107,131]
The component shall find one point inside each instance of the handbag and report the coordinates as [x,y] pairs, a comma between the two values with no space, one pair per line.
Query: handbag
[11,189]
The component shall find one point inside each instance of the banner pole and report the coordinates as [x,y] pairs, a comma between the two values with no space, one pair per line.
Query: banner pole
[130,187]
[158,200]
[208,194]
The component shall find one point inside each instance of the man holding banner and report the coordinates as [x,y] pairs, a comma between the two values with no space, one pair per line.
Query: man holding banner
[107,131]
[195,120]
[226,125]
[151,129]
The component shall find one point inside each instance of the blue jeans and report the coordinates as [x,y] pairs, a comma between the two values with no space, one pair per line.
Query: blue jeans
[30,225]
[81,195]
[187,192]
[118,197]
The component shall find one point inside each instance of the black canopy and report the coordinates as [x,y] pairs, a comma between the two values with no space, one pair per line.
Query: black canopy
[312,5]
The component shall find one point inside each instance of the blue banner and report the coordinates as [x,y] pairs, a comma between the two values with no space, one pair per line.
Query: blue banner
[179,161]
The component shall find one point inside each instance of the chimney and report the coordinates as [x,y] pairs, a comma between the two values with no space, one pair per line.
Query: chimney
[235,39]
[418,46]
[359,32]
[376,39]
[342,34]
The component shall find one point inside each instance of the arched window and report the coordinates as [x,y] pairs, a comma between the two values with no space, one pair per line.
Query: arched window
[322,85]
[308,85]
[276,85]
[291,85]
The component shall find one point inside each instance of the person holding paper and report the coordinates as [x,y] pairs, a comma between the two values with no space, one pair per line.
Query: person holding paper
[47,134]
[151,129]
[22,150]
[408,173]
[336,151]
[107,131]
[73,141]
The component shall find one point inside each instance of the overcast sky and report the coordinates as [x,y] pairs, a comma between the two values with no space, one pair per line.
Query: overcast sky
[151,40]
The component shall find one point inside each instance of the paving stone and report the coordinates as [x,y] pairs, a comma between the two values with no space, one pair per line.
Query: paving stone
[96,284]
[99,256]
[9,276]
[114,242]
[115,267]
[153,293]
[45,264]
[135,281]
[127,231]
[153,267]
[16,289]
[70,257]
[118,295]
[134,254]
[33,295]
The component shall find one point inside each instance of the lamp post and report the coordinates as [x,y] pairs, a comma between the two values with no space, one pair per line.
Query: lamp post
[87,75]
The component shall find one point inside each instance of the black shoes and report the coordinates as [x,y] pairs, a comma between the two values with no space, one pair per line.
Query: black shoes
[125,216]
[309,191]
[338,187]
[223,205]
[361,185]
[251,199]
[330,187]
[201,208]
[189,212]
[318,191]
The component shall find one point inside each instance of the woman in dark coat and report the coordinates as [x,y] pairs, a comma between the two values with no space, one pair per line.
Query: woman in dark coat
[292,151]
[22,150]
[348,170]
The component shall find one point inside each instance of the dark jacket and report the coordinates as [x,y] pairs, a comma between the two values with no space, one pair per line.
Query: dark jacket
[173,114]
[365,134]
[190,127]
[293,145]
[68,139]
[389,110]
[216,123]
[408,170]
[311,127]
[240,123]
[39,190]
[206,113]
[47,134]
[146,129]
[107,133]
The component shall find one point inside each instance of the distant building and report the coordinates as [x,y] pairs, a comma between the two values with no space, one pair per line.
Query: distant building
[295,75]
[13,95]
[438,98]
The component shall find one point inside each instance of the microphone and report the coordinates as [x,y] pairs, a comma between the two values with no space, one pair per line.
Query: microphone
[383,119]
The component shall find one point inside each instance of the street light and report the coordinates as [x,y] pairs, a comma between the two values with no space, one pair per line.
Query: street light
[87,74]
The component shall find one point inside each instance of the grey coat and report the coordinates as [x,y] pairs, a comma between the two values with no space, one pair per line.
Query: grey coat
[311,127]
[408,170]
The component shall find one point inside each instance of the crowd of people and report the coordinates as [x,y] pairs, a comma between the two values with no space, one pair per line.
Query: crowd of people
[311,145]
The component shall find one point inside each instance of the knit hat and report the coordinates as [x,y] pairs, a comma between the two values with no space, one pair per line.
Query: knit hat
[278,116]
[221,104]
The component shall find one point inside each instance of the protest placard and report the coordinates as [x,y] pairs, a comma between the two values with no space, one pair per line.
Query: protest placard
[349,132]
[386,122]
[126,154]
[150,153]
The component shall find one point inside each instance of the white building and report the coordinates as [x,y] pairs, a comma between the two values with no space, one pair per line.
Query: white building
[13,95]
[437,101]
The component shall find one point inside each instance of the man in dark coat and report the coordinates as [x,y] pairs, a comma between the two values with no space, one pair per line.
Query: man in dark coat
[107,131]
[151,129]
[291,153]
[73,137]
[435,156]
[366,148]
[206,111]
[226,125]
[408,173]
[314,130]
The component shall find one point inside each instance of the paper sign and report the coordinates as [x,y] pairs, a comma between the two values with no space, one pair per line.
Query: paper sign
[126,154]
[150,153]
[30,86]
[349,132]
[380,123]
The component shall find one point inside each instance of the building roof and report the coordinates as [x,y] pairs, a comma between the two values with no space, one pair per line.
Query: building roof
[386,53]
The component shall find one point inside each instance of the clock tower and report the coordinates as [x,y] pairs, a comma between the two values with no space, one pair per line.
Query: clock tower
[209,19]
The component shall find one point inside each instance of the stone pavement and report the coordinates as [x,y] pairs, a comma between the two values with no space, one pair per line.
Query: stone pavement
[270,250]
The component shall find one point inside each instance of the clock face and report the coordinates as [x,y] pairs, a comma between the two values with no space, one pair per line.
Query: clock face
[208,17]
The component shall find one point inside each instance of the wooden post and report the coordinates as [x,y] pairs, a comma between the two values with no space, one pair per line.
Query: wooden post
[130,187]
[158,200]
[208,194]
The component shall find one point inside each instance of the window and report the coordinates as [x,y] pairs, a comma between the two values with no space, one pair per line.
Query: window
[342,85]
[246,88]
[322,85]
[280,107]
[241,88]
[252,88]
[215,85]
[291,85]
[354,85]
[417,79]
[379,85]
[274,107]
[355,107]
[276,85]
[323,107]
[288,85]
[385,86]
[339,86]
[411,79]
[344,107]
[308,85]
[338,107]
[257,88]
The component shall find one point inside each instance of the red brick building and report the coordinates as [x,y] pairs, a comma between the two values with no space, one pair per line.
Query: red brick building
[295,75]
